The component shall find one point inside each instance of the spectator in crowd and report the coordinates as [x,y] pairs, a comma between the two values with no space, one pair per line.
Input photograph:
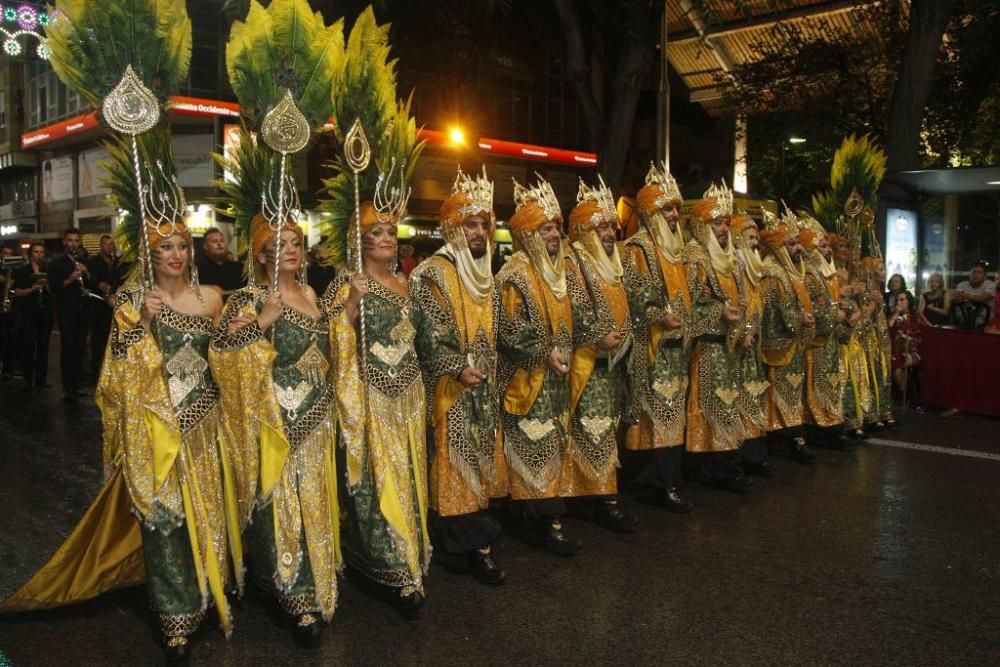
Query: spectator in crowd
[897,283]
[67,278]
[406,260]
[317,275]
[103,274]
[216,265]
[34,313]
[8,346]
[972,302]
[904,332]
[935,302]
[994,325]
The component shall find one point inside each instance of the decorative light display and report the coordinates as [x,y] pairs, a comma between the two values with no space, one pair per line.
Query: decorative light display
[27,19]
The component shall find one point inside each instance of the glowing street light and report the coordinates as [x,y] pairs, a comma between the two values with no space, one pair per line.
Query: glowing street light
[796,140]
[456,136]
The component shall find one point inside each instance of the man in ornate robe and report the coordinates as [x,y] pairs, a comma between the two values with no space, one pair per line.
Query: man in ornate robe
[715,426]
[788,328]
[753,373]
[535,343]
[827,372]
[656,283]
[598,375]
[453,312]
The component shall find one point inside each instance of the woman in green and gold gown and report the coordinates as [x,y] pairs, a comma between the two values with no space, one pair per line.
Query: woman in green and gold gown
[270,355]
[163,460]
[381,403]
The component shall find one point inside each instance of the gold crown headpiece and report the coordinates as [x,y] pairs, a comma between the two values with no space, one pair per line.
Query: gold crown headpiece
[164,200]
[542,194]
[391,193]
[790,220]
[601,195]
[479,190]
[723,198]
[667,183]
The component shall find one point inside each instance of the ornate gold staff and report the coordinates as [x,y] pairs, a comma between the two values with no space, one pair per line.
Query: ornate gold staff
[285,130]
[357,154]
[132,109]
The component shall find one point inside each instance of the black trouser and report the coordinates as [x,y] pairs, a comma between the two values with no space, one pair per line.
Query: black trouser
[463,533]
[72,344]
[716,466]
[36,328]
[780,443]
[538,509]
[661,468]
[8,344]
[754,451]
[100,328]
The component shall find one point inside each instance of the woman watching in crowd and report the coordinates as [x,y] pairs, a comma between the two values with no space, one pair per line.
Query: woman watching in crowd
[935,302]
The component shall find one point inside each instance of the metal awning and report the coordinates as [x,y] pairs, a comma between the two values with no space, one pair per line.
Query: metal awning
[956,181]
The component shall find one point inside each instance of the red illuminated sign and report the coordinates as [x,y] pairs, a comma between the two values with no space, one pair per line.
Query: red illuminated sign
[202,108]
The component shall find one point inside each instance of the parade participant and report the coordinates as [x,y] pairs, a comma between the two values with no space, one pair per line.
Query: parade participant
[535,342]
[103,268]
[602,332]
[67,277]
[857,398]
[163,460]
[787,329]
[381,406]
[33,308]
[453,312]
[715,425]
[656,284]
[877,344]
[825,378]
[380,394]
[753,384]
[271,353]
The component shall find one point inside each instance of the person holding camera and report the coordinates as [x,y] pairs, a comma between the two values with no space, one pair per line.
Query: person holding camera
[33,307]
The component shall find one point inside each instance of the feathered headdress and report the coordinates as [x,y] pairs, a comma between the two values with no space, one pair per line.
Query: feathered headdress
[127,59]
[848,206]
[282,61]
[365,92]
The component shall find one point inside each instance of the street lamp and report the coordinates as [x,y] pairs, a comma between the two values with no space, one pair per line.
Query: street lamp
[796,140]
[456,136]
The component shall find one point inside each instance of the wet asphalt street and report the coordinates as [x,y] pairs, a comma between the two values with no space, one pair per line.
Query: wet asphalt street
[885,554]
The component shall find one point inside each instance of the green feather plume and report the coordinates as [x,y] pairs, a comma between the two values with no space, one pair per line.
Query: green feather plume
[153,146]
[859,164]
[365,90]
[284,46]
[250,167]
[93,43]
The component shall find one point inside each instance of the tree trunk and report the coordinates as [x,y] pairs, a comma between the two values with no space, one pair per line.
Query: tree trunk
[579,71]
[636,57]
[928,19]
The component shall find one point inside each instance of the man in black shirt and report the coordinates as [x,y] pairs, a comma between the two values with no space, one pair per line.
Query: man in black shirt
[33,306]
[103,270]
[7,330]
[214,265]
[67,279]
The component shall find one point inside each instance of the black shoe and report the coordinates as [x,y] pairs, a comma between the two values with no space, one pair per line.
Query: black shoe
[611,516]
[308,628]
[674,502]
[177,650]
[410,602]
[554,540]
[763,469]
[485,568]
[801,453]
